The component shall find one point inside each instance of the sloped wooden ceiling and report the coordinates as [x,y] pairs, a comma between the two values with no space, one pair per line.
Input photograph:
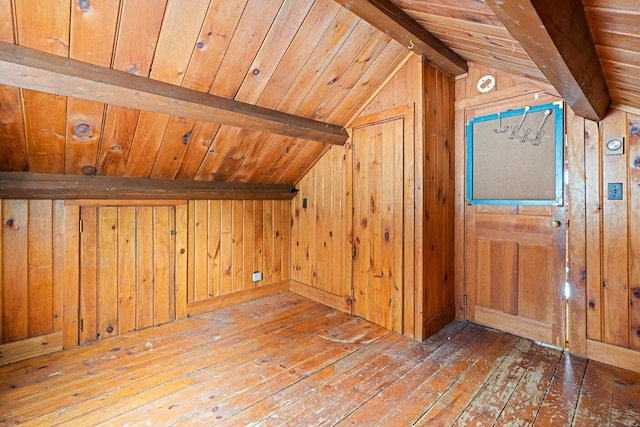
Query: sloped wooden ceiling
[616,32]
[312,59]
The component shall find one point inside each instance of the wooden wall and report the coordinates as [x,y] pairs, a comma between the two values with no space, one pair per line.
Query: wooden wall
[228,241]
[603,240]
[129,265]
[31,291]
[322,247]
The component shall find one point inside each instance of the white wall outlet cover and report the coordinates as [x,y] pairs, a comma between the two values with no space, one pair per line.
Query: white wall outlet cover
[257,276]
[486,83]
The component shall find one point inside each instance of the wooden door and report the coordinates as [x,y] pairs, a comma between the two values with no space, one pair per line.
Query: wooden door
[378,207]
[127,265]
[516,270]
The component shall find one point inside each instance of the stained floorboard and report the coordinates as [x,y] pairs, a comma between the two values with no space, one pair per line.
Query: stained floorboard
[285,360]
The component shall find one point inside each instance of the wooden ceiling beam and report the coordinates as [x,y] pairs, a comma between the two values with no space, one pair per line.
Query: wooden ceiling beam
[397,24]
[557,37]
[25,185]
[41,71]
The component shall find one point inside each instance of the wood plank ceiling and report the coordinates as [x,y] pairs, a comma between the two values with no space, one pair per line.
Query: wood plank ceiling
[472,30]
[311,58]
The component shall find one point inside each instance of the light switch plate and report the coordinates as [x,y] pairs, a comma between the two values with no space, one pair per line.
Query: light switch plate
[615,191]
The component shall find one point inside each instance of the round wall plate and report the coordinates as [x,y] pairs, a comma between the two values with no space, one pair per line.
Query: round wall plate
[486,83]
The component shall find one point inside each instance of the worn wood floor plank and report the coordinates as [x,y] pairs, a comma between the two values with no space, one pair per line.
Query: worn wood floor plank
[594,403]
[489,402]
[448,407]
[559,405]
[524,404]
[286,360]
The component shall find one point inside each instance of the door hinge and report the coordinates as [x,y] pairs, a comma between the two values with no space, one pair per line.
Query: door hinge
[81,325]
[80,226]
[568,223]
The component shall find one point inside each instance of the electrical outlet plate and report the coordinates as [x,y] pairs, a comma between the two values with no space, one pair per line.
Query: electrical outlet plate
[257,276]
[615,191]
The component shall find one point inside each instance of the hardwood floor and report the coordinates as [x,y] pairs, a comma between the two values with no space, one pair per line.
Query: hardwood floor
[286,360]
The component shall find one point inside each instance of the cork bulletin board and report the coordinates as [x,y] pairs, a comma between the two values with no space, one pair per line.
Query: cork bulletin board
[515,157]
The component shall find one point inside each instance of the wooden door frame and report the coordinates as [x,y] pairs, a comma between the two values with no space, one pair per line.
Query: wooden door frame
[460,245]
[411,297]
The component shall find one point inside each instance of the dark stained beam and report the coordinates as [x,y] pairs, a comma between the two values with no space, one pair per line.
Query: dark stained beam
[395,22]
[32,69]
[24,185]
[556,36]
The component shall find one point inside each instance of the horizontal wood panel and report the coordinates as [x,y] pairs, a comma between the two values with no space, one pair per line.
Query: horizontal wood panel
[50,186]
[31,347]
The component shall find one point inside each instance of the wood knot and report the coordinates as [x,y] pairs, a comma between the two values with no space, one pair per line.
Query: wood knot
[636,292]
[255,72]
[84,5]
[82,131]
[88,170]
[116,147]
[634,130]
[109,329]
[592,304]
[200,45]
[10,222]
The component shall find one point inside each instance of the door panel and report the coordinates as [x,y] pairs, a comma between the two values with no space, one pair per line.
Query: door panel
[127,269]
[378,220]
[516,270]
[516,263]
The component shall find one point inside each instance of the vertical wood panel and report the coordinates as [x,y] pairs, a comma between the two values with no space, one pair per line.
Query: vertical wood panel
[15,270]
[59,283]
[40,261]
[248,244]
[71,276]
[145,266]
[163,265]
[201,250]
[615,243]
[89,275]
[258,239]
[269,240]
[387,214]
[214,247]
[578,134]
[108,271]
[375,225]
[182,271]
[238,249]
[282,242]
[361,234]
[593,200]
[128,296]
[633,132]
[226,247]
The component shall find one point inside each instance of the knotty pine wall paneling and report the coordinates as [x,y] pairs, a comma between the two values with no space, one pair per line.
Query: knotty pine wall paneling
[321,244]
[228,241]
[129,266]
[611,300]
[31,278]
